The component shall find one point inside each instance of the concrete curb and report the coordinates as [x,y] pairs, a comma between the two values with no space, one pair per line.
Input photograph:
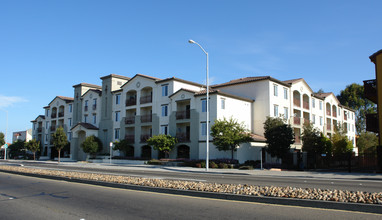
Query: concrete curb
[358,207]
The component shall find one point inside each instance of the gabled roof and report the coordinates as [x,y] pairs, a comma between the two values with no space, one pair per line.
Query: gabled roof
[180,80]
[183,89]
[258,138]
[115,76]
[99,92]
[217,91]
[249,80]
[85,125]
[325,95]
[374,55]
[40,116]
[64,98]
[88,85]
[293,81]
[141,75]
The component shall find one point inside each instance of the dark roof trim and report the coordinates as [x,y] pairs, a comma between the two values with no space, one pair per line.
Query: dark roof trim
[99,92]
[202,93]
[183,89]
[374,56]
[144,76]
[115,76]
[180,80]
[86,126]
[249,80]
[88,85]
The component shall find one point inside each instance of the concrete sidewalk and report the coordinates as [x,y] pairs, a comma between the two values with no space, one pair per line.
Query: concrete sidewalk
[255,172]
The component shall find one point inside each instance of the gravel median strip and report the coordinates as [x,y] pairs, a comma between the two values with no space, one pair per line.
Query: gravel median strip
[236,189]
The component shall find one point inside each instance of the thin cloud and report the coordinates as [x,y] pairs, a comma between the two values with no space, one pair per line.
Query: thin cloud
[6,101]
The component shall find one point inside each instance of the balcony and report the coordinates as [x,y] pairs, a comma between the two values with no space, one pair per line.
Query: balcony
[130,102]
[305,105]
[86,108]
[328,112]
[60,114]
[328,127]
[306,121]
[183,114]
[146,99]
[130,120]
[130,138]
[53,128]
[39,129]
[94,107]
[297,139]
[296,120]
[297,102]
[334,114]
[345,116]
[146,118]
[183,137]
[372,123]
[370,90]
[53,115]
[145,137]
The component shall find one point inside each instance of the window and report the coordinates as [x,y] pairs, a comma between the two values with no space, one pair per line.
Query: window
[47,113]
[116,133]
[352,116]
[70,107]
[222,103]
[204,128]
[314,119]
[286,115]
[85,118]
[69,136]
[70,122]
[204,105]
[275,90]
[313,103]
[320,121]
[285,93]
[339,112]
[86,103]
[117,116]
[117,99]
[275,110]
[164,90]
[47,125]
[164,129]
[352,128]
[164,110]
[320,105]
[94,119]
[46,137]
[94,101]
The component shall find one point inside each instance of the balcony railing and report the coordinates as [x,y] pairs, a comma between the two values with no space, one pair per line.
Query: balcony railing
[183,114]
[328,112]
[52,127]
[328,127]
[53,115]
[39,129]
[130,138]
[145,137]
[183,137]
[146,99]
[86,108]
[146,118]
[296,120]
[130,102]
[306,105]
[372,123]
[297,139]
[345,117]
[130,120]
[370,90]
[297,102]
[94,107]
[334,114]
[60,114]
[306,121]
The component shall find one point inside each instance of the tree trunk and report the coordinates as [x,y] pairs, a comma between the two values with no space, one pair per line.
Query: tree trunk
[59,154]
[232,150]
[34,155]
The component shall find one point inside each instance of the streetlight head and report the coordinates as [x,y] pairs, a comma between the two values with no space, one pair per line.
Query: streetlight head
[191,41]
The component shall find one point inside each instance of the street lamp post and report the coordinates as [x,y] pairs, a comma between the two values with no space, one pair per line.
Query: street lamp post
[207,108]
[5,139]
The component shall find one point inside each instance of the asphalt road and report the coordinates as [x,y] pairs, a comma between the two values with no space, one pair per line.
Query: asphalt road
[358,184]
[30,198]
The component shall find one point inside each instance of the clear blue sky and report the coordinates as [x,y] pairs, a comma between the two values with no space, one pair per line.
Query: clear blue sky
[48,46]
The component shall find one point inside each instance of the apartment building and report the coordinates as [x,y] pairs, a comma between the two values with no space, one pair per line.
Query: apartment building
[137,108]
[25,135]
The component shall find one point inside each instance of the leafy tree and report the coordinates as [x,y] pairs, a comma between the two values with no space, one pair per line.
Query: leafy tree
[229,134]
[327,146]
[311,140]
[366,142]
[124,146]
[320,91]
[17,149]
[91,145]
[279,137]
[162,142]
[353,96]
[2,140]
[341,143]
[59,140]
[33,146]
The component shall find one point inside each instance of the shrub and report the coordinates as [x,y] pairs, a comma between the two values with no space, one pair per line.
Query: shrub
[212,164]
[223,166]
[246,168]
